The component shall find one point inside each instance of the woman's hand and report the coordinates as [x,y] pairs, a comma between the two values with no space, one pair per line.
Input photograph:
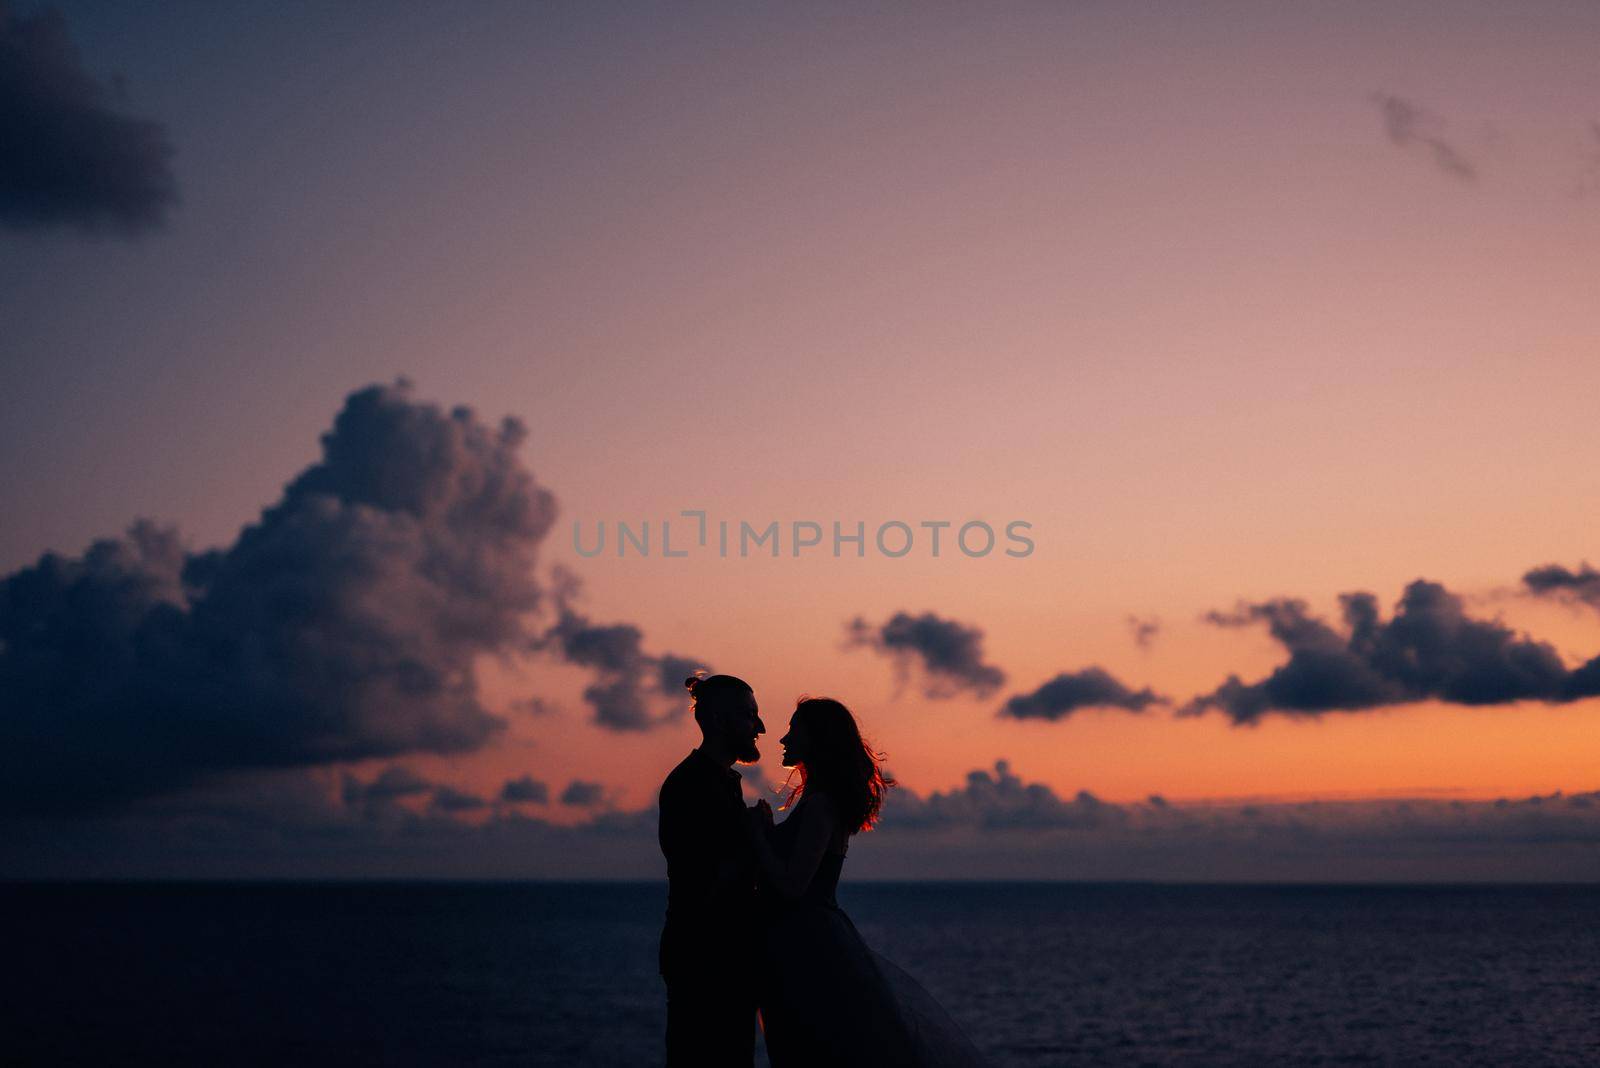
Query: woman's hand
[758,819]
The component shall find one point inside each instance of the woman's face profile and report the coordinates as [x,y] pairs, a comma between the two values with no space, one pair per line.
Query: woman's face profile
[794,742]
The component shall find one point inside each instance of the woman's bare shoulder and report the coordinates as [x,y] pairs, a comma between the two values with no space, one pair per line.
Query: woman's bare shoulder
[818,801]
[823,810]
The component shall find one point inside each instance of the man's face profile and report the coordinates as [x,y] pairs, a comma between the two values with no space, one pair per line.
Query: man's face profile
[741,725]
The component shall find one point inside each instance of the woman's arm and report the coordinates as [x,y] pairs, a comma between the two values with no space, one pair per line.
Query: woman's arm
[792,874]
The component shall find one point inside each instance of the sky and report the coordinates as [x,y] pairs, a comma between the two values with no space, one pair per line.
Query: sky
[332,337]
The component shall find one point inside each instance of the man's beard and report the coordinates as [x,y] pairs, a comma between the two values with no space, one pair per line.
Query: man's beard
[745,751]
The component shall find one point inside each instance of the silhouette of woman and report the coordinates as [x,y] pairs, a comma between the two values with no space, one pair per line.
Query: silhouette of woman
[827,998]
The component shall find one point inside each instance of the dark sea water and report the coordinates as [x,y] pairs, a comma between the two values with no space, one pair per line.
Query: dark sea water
[565,974]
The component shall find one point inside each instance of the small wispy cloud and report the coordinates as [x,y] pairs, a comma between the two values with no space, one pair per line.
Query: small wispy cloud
[1411,127]
[1144,630]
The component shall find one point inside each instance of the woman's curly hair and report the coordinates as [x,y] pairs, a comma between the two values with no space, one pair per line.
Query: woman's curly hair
[839,763]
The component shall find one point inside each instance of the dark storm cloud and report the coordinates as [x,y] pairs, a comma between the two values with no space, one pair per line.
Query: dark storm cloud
[1408,125]
[580,793]
[1430,649]
[1093,687]
[1553,580]
[629,680]
[1144,630]
[68,156]
[525,789]
[342,625]
[949,654]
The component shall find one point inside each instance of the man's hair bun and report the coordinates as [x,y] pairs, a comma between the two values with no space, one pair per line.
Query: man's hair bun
[711,692]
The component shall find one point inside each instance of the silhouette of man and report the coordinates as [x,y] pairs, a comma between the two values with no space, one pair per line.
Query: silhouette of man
[711,895]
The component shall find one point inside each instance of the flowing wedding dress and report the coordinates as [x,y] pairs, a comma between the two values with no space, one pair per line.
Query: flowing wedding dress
[829,999]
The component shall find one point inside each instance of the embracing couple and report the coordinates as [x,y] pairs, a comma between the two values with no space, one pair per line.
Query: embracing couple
[752,923]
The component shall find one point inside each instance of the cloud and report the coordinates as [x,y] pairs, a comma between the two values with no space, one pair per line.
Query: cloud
[525,789]
[672,670]
[999,826]
[628,677]
[1144,630]
[1093,687]
[582,794]
[378,799]
[71,158]
[393,782]
[950,654]
[998,800]
[996,825]
[1408,125]
[450,799]
[1430,649]
[1553,580]
[343,624]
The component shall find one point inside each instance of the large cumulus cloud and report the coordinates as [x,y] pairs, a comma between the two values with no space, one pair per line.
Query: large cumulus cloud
[343,624]
[1429,649]
[949,654]
[70,158]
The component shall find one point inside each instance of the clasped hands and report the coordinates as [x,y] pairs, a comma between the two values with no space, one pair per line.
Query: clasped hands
[758,818]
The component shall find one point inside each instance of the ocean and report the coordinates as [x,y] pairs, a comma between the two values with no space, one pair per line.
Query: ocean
[323,974]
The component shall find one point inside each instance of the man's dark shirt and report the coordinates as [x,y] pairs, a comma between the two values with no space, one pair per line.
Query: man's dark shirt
[702,831]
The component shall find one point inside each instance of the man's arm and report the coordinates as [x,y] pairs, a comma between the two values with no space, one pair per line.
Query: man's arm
[735,870]
[676,821]
[732,876]
[791,875]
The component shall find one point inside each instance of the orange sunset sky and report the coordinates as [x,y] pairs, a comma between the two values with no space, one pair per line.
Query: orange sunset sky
[1230,303]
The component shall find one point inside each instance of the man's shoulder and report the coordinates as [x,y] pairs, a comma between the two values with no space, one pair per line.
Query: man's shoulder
[681,777]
